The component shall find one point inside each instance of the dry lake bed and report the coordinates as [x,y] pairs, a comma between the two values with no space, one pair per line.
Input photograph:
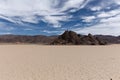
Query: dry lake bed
[38,62]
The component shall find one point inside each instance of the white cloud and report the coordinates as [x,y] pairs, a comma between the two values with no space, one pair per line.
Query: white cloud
[18,11]
[74,4]
[109,26]
[117,2]
[28,9]
[88,18]
[111,20]
[6,18]
[109,13]
[5,33]
[104,29]
[97,8]
[109,23]
[104,14]
[52,32]
[101,4]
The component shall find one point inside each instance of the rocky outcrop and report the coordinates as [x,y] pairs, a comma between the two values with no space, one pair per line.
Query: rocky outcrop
[72,38]
[67,38]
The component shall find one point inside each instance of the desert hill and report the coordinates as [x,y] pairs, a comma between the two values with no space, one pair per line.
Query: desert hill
[67,38]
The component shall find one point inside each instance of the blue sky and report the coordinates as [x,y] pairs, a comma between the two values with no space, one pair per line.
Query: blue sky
[52,17]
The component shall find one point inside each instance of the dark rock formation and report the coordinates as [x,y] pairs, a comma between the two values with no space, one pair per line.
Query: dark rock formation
[67,38]
[72,38]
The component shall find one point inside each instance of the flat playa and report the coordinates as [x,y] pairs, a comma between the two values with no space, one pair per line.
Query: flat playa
[37,62]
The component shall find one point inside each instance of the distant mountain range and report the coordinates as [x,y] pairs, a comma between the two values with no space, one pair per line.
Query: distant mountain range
[67,38]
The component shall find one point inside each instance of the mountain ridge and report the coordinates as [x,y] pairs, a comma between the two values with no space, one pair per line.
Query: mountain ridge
[65,38]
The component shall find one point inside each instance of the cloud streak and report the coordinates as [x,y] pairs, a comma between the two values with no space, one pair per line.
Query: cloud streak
[101,15]
[27,10]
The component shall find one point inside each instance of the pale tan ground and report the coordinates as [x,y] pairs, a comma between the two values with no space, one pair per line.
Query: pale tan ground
[35,62]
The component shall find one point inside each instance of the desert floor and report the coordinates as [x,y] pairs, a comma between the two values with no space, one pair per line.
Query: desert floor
[37,62]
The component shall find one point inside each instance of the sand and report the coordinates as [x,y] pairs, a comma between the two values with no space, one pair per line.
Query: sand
[38,62]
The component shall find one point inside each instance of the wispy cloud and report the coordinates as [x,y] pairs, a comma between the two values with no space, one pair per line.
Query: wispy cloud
[27,10]
[62,13]
[109,24]
[88,18]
